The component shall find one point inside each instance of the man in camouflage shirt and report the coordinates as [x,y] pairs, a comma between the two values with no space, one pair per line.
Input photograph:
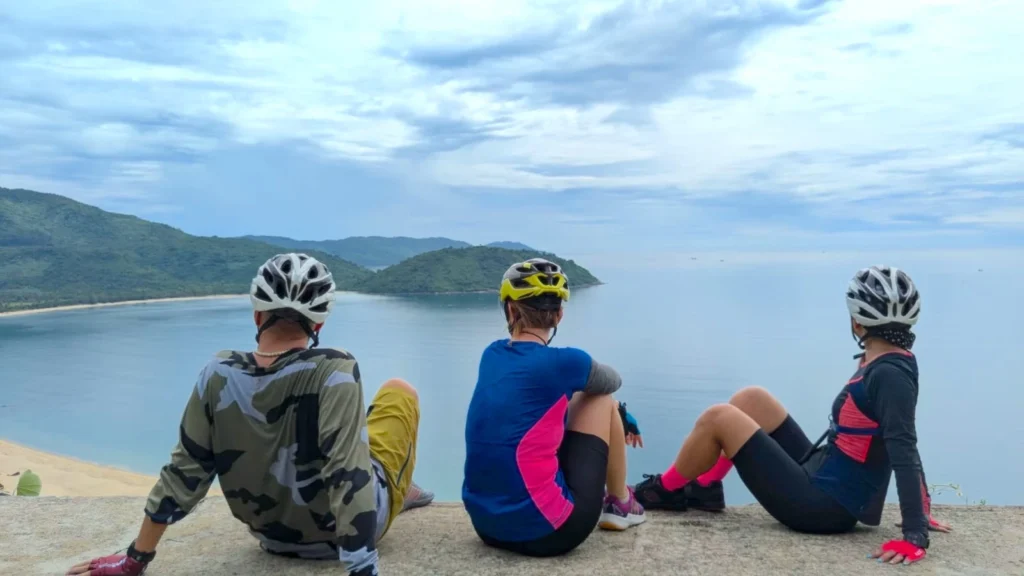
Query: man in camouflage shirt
[300,462]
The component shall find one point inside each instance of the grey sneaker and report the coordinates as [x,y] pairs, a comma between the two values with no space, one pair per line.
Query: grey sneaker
[619,515]
[417,497]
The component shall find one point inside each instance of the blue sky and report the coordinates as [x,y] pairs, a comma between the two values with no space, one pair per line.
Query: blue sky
[578,126]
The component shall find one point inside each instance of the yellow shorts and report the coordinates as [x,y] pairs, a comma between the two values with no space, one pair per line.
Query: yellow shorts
[392,421]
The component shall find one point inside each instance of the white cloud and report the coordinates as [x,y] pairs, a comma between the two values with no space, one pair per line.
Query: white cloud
[857,101]
[948,82]
[1013,217]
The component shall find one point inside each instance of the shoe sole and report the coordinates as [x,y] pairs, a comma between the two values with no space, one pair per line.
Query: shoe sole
[418,502]
[710,506]
[701,505]
[618,523]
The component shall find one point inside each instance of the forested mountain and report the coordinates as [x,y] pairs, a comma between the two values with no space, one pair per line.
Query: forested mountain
[475,269]
[368,251]
[56,251]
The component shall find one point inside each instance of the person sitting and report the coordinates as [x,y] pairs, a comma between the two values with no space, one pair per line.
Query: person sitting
[544,436]
[826,489]
[300,461]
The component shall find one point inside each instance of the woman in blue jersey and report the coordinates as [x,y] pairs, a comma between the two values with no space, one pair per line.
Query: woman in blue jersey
[828,489]
[544,436]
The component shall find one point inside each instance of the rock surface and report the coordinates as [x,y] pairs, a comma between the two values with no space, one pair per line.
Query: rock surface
[46,535]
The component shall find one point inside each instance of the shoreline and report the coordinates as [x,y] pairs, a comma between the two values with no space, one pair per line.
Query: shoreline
[463,292]
[70,307]
[73,307]
[67,476]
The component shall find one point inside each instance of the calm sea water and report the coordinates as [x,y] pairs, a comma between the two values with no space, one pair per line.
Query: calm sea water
[108,385]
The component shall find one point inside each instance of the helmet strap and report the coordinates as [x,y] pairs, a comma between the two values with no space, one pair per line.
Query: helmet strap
[266,325]
[860,343]
[508,318]
[306,327]
[312,335]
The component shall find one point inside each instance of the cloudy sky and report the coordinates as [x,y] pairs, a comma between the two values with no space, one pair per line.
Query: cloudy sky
[576,125]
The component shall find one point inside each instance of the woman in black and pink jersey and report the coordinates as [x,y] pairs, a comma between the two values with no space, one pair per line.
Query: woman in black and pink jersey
[827,489]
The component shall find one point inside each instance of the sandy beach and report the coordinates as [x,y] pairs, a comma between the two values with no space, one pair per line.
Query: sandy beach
[66,476]
[124,303]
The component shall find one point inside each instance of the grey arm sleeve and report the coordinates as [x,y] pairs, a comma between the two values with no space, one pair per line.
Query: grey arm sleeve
[603,379]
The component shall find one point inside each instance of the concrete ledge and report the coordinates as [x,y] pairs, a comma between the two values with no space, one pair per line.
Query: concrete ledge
[47,535]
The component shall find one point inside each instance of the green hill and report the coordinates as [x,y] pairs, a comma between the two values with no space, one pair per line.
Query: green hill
[512,246]
[474,269]
[369,251]
[55,251]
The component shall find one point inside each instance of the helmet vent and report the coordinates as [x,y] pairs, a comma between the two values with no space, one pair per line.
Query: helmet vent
[262,295]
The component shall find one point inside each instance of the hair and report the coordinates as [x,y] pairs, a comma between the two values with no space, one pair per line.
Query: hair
[524,317]
[894,333]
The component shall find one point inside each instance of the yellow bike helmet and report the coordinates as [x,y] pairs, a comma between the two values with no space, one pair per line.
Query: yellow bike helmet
[537,283]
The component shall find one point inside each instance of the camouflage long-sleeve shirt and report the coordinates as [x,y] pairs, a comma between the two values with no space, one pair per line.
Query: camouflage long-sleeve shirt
[289,444]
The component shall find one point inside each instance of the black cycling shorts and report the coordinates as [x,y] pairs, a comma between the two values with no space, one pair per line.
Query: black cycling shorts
[769,466]
[583,459]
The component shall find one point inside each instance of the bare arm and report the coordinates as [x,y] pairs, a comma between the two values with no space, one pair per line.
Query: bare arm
[183,482]
[149,535]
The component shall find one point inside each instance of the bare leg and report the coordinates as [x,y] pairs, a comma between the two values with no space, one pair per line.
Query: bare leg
[615,480]
[761,406]
[598,415]
[399,384]
[707,452]
[721,428]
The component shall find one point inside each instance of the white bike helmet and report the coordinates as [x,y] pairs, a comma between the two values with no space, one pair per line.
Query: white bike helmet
[294,286]
[882,295]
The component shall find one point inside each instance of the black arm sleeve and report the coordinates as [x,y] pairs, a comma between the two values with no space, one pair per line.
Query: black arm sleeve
[893,394]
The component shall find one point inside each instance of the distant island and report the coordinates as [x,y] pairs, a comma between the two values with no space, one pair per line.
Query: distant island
[368,251]
[512,246]
[377,252]
[55,252]
[474,269]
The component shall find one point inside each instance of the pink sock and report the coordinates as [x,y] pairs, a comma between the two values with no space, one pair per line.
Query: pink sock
[672,480]
[717,472]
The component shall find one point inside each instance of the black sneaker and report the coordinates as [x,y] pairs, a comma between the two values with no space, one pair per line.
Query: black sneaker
[653,496]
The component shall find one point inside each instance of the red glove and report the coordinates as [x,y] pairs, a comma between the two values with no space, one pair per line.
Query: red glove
[933,524]
[116,565]
[910,552]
